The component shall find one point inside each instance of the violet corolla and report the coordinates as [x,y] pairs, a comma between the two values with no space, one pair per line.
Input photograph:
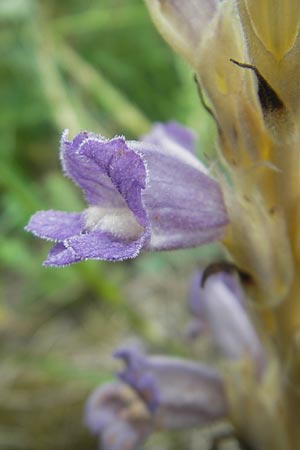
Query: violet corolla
[157,393]
[153,194]
[218,306]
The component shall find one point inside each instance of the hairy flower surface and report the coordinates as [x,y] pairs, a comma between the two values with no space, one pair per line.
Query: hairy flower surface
[152,195]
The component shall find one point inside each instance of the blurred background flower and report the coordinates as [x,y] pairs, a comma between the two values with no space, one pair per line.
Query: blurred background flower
[101,66]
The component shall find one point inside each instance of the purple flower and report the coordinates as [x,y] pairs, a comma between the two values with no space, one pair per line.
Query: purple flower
[220,307]
[179,393]
[158,393]
[152,195]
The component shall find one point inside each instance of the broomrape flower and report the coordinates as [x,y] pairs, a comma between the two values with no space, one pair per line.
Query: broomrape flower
[157,393]
[155,195]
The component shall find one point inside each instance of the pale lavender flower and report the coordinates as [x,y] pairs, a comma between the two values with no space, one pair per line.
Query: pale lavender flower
[170,393]
[152,195]
[179,393]
[219,306]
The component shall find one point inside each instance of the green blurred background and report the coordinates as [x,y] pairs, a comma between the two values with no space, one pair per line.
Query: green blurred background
[96,65]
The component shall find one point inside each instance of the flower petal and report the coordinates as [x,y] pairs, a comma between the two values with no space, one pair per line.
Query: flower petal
[171,140]
[55,225]
[179,393]
[171,135]
[195,292]
[229,322]
[94,245]
[183,23]
[115,414]
[196,300]
[110,174]
[185,206]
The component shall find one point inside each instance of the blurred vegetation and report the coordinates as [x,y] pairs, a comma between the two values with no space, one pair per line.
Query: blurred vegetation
[78,64]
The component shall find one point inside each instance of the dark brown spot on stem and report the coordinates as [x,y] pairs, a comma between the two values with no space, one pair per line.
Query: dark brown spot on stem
[268,98]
